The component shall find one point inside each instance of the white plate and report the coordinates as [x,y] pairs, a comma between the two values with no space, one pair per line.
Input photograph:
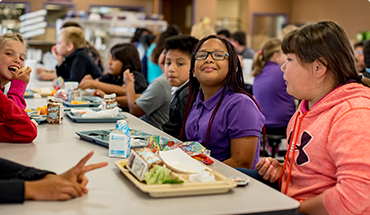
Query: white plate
[179,161]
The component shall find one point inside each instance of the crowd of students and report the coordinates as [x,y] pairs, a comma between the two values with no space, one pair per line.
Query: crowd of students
[199,95]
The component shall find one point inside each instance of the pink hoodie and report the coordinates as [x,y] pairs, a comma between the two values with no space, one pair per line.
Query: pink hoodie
[16,93]
[332,153]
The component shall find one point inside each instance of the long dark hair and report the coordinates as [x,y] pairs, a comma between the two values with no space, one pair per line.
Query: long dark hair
[234,81]
[128,55]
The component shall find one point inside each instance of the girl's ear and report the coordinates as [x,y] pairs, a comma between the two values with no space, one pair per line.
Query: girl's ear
[70,46]
[193,73]
[319,67]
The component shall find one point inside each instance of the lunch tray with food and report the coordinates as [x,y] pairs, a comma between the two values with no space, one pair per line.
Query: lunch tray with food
[28,94]
[222,184]
[39,114]
[86,101]
[43,91]
[80,119]
[101,137]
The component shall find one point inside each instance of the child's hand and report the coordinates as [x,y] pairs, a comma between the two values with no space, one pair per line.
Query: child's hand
[87,77]
[77,173]
[99,93]
[128,77]
[46,76]
[57,55]
[24,76]
[270,169]
[88,83]
[65,186]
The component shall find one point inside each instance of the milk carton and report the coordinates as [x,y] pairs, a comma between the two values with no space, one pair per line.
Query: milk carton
[109,102]
[54,110]
[119,140]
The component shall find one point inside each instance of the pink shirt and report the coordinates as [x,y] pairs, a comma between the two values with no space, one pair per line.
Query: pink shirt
[332,154]
[16,92]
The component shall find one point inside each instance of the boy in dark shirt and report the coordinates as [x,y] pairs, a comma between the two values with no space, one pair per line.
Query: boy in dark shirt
[178,50]
[77,63]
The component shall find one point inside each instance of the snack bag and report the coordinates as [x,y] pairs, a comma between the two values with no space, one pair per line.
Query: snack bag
[109,101]
[54,110]
[59,83]
[154,143]
[119,140]
[62,94]
[194,147]
[141,161]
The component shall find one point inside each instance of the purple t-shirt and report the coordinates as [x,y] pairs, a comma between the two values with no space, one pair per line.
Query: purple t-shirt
[269,90]
[238,116]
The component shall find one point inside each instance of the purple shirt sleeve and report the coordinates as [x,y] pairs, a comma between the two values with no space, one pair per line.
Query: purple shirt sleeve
[16,93]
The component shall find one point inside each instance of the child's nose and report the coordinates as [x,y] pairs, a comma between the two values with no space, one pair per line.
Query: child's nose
[209,58]
[283,67]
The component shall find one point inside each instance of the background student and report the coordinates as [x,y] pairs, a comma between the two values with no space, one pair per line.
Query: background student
[366,53]
[269,87]
[178,53]
[219,113]
[328,166]
[154,103]
[48,75]
[239,40]
[77,64]
[121,57]
[155,50]
[359,54]
[19,183]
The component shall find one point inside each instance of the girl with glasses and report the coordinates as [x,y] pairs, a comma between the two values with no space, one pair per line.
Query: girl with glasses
[219,113]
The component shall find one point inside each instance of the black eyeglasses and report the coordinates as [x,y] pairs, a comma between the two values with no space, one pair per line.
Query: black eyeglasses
[216,55]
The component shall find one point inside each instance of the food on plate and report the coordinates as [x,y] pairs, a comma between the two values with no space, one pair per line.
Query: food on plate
[160,175]
[53,92]
[29,110]
[26,93]
[77,102]
[42,110]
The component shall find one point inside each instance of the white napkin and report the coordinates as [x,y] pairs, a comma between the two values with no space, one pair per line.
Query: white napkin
[203,176]
[101,114]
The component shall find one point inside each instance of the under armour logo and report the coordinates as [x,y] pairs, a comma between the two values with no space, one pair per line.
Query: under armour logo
[302,157]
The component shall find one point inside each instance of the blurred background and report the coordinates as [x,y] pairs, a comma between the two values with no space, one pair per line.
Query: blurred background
[107,22]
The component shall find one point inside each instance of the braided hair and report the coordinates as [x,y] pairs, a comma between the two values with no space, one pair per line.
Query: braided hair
[234,81]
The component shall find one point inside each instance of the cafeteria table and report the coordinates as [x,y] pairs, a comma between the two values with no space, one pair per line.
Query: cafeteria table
[58,148]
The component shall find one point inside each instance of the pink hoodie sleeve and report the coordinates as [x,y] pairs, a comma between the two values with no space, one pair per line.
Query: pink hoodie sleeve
[15,124]
[350,152]
[16,93]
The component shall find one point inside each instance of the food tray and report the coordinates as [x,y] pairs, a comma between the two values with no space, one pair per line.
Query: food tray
[95,120]
[101,137]
[37,117]
[44,91]
[28,94]
[70,108]
[222,184]
[92,101]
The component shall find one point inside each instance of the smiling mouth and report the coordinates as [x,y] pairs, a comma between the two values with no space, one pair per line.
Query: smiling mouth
[13,69]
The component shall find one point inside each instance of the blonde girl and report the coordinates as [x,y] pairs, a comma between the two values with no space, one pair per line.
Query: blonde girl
[269,87]
[12,56]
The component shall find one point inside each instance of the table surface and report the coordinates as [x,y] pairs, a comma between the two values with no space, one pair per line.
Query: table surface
[57,148]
